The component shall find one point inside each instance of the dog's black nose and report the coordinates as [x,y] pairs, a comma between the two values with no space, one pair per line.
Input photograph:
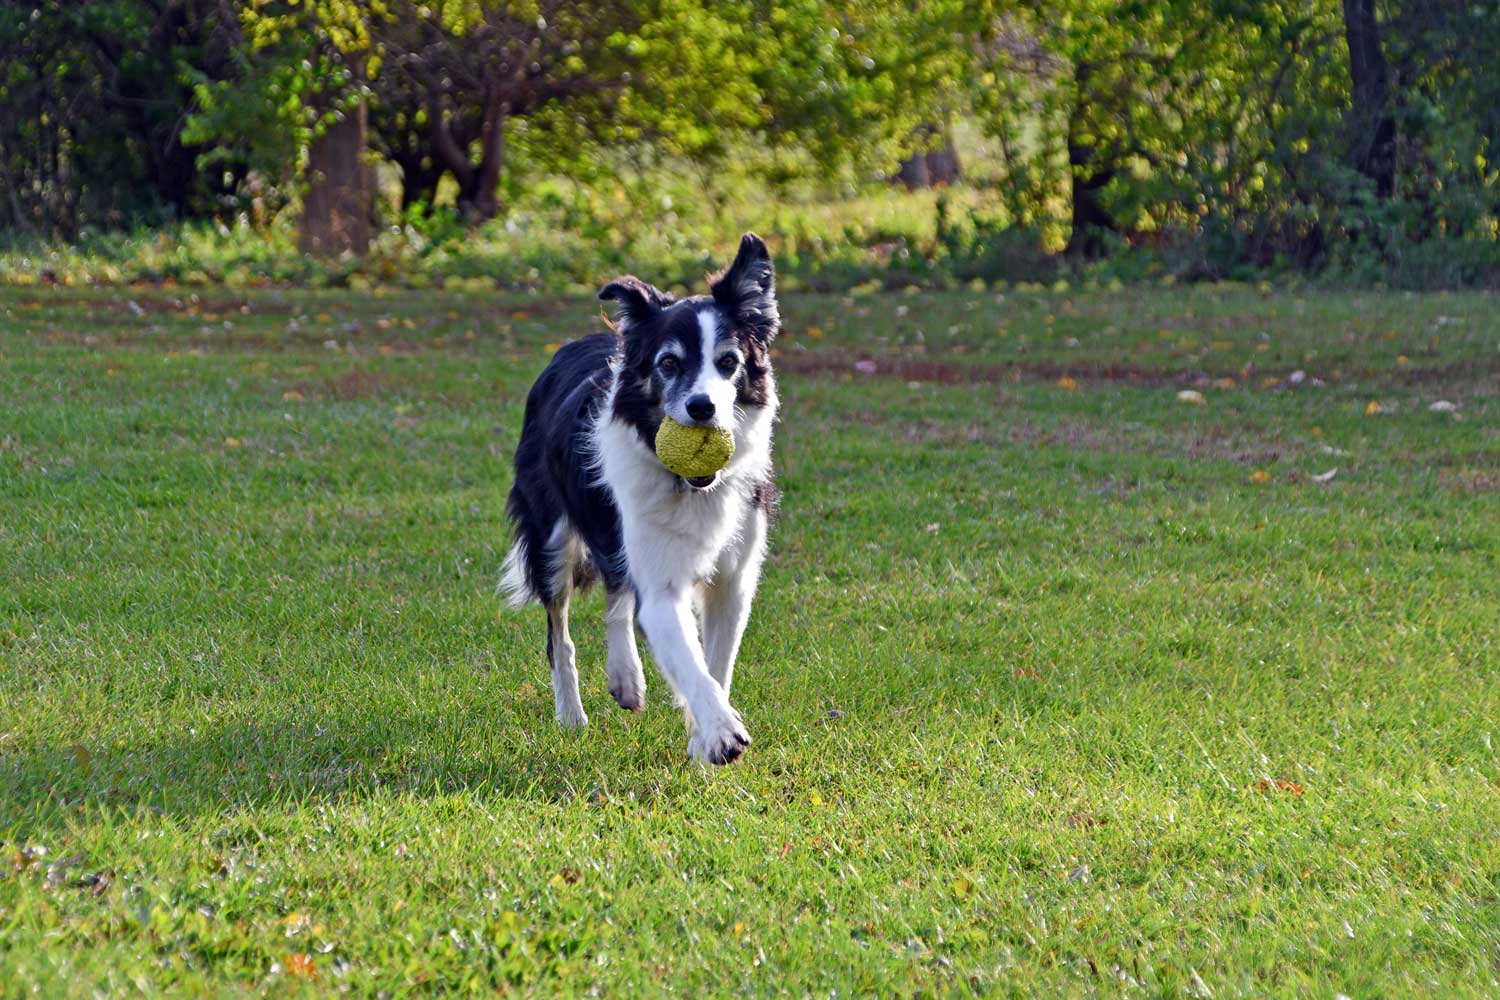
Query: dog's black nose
[700,407]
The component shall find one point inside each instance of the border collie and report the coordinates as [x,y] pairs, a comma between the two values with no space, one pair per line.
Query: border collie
[592,502]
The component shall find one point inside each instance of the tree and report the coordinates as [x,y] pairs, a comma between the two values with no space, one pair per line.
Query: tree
[460,73]
[94,98]
[1372,121]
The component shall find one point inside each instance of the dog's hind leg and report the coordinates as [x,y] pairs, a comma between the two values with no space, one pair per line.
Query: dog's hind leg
[627,681]
[563,657]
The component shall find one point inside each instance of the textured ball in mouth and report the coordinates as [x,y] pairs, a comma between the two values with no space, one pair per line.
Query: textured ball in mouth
[693,451]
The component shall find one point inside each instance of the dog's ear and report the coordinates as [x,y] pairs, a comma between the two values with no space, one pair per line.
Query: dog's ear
[747,288]
[638,300]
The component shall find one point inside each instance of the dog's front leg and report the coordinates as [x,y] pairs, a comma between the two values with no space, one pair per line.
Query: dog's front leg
[718,735]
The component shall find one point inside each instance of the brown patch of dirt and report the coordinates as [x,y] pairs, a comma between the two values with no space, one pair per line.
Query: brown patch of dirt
[945,373]
[159,304]
[1458,373]
[833,362]
[354,385]
[1471,481]
[1067,434]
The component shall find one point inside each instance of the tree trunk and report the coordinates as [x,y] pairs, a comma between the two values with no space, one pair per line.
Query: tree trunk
[1373,142]
[479,198]
[929,167]
[1090,218]
[942,163]
[1087,178]
[336,208]
[913,172]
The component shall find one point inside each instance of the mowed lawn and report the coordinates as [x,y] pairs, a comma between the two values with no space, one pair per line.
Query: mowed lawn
[1059,684]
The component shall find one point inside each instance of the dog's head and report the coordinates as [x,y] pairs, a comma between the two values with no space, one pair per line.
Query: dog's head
[703,360]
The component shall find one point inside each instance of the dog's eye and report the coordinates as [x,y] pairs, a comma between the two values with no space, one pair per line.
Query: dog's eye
[668,364]
[728,364]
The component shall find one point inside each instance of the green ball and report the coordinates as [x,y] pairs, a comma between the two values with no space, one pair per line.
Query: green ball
[693,451]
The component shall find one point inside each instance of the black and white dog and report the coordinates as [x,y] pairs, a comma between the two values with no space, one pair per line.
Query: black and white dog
[592,501]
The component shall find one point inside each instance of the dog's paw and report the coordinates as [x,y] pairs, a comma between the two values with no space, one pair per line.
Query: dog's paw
[628,688]
[571,716]
[720,741]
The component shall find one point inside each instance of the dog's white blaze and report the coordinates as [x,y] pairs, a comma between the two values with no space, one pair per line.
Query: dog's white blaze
[710,381]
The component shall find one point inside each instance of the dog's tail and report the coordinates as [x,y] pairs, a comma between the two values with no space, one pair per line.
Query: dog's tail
[515,581]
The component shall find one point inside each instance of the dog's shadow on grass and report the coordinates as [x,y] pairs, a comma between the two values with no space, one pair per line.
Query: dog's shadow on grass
[306,755]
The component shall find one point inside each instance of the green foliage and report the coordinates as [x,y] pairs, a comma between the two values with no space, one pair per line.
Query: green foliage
[93,97]
[1210,140]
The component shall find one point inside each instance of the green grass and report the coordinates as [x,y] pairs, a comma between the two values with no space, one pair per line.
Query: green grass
[1054,691]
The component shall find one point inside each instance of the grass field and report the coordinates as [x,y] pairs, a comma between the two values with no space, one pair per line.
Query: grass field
[1059,684]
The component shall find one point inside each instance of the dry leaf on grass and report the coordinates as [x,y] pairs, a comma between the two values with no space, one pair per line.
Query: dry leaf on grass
[298,964]
[1278,785]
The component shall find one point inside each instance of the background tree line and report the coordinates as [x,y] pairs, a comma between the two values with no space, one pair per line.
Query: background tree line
[1226,134]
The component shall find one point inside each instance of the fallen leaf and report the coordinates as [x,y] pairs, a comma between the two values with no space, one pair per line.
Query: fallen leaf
[552,348]
[866,367]
[291,395]
[1443,406]
[298,964]
[1225,383]
[1375,407]
[962,888]
[1026,674]
[231,442]
[1325,477]
[1085,821]
[1192,396]
[932,528]
[1278,785]
[1067,383]
[1260,476]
